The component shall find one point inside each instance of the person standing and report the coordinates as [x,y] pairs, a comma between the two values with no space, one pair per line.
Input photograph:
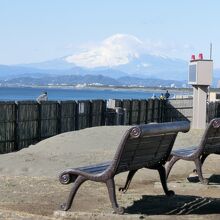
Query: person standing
[162,97]
[167,95]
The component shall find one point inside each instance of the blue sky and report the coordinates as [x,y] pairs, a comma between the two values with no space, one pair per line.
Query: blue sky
[39,30]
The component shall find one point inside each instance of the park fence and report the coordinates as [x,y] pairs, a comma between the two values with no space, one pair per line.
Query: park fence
[27,122]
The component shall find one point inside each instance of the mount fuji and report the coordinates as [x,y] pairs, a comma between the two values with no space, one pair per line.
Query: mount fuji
[117,56]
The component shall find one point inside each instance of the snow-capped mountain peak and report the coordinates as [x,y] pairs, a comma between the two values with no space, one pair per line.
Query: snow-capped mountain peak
[116,50]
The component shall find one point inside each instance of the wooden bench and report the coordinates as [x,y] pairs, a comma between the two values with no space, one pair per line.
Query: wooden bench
[209,144]
[144,146]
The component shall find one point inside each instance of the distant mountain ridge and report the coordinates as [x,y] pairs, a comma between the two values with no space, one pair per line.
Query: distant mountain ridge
[75,80]
[144,66]
[144,70]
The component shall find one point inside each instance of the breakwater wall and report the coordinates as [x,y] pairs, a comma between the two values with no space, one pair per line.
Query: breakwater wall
[27,122]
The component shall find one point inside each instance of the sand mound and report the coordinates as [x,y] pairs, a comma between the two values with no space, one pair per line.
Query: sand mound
[71,149]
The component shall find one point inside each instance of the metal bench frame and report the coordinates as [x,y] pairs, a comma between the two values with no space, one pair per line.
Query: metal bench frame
[209,144]
[144,146]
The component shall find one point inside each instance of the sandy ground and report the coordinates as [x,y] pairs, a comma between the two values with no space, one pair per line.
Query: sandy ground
[29,186]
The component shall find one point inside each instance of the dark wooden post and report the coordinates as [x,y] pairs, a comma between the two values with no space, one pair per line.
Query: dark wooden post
[84,114]
[142,112]
[68,116]
[27,123]
[150,109]
[135,111]
[49,115]
[162,110]
[59,117]
[103,112]
[118,103]
[110,118]
[126,105]
[39,122]
[97,112]
[156,110]
[16,141]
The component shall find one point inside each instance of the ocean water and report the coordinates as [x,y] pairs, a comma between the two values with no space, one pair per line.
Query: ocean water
[16,94]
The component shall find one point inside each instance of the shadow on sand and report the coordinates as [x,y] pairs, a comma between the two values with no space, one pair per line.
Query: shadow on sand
[213,179]
[176,205]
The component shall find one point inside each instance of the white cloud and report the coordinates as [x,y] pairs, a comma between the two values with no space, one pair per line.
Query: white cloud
[113,51]
[121,49]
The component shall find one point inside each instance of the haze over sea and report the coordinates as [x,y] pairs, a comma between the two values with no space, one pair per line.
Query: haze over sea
[19,94]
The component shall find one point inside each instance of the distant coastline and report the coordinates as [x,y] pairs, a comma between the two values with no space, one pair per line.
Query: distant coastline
[105,87]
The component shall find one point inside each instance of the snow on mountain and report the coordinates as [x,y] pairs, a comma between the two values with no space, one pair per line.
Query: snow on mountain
[132,56]
[116,50]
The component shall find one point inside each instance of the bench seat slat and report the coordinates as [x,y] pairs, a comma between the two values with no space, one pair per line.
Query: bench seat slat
[126,167]
[142,159]
[148,151]
[213,139]
[184,151]
[213,146]
[96,168]
[148,146]
[215,149]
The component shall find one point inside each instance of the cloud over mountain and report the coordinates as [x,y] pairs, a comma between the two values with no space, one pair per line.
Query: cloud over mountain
[116,50]
[122,49]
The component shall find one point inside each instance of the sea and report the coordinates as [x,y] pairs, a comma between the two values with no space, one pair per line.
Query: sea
[26,93]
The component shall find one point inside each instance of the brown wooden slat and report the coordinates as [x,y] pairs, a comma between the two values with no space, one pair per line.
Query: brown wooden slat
[7,127]
[67,116]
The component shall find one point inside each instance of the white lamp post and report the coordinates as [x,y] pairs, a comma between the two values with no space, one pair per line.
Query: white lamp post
[200,77]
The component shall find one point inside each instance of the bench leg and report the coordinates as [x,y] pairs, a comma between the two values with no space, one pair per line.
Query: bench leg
[203,157]
[76,185]
[111,191]
[128,181]
[199,171]
[163,180]
[170,164]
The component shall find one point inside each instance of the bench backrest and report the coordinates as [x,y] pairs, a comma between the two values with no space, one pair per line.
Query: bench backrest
[147,145]
[210,142]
